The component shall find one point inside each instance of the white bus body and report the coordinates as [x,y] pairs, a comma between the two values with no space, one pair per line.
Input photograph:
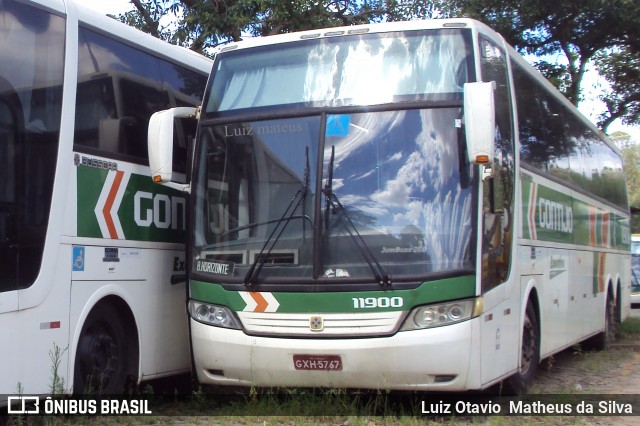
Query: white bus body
[89,244]
[347,233]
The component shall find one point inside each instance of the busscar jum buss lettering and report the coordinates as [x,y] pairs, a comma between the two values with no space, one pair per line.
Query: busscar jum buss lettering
[88,243]
[394,206]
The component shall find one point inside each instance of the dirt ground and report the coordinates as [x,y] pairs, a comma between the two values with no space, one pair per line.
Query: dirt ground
[562,374]
[613,372]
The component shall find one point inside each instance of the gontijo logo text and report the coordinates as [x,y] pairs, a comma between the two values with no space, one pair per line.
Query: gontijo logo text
[555,216]
[122,205]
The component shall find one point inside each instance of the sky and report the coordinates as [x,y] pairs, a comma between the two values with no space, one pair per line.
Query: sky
[590,107]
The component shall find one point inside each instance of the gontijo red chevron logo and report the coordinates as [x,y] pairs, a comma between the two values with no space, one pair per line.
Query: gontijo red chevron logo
[259,301]
[108,204]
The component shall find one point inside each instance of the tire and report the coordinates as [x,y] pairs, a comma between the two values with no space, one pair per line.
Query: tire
[101,362]
[529,356]
[602,340]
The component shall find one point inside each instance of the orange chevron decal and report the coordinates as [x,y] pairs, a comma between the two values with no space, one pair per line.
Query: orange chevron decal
[106,211]
[261,302]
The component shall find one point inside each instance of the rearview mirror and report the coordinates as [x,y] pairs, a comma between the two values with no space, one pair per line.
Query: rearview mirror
[480,121]
[160,144]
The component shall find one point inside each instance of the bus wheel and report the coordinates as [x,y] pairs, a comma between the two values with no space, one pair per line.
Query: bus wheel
[601,341]
[101,356]
[530,354]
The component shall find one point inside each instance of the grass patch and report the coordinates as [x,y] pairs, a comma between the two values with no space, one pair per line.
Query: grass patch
[629,329]
[317,403]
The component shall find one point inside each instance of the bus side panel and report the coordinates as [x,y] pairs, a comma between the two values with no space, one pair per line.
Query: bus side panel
[40,334]
[141,278]
[576,247]
[500,332]
[625,288]
[166,342]
[587,299]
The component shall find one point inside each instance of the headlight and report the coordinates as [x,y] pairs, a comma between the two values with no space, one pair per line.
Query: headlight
[215,315]
[442,314]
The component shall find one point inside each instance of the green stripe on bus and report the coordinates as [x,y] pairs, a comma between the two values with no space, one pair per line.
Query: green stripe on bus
[551,216]
[332,302]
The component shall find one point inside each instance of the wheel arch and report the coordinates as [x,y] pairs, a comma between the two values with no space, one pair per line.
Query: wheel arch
[518,382]
[531,296]
[612,291]
[126,316]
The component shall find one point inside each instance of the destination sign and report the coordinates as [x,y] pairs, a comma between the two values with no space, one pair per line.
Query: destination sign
[217,267]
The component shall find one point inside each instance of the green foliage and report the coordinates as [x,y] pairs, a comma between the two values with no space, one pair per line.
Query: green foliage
[57,382]
[557,74]
[629,329]
[622,71]
[581,31]
[631,159]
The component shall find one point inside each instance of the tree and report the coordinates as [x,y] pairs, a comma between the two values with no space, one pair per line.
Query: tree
[622,70]
[580,31]
[631,159]
[202,24]
[575,29]
[621,139]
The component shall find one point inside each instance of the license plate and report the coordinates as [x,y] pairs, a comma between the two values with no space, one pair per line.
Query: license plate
[317,362]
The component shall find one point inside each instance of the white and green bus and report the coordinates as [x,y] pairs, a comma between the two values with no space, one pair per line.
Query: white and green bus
[88,243]
[394,206]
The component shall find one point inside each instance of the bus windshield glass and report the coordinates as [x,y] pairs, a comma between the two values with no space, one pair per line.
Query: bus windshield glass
[369,69]
[311,194]
[393,197]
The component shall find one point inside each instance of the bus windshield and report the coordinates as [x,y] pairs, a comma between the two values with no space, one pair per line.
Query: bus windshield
[393,197]
[312,194]
[369,69]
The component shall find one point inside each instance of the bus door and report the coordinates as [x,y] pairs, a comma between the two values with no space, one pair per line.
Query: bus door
[501,298]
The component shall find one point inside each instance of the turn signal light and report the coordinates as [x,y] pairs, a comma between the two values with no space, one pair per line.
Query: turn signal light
[482,159]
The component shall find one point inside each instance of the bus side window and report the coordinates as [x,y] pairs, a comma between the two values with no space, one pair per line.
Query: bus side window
[140,101]
[8,142]
[30,111]
[119,88]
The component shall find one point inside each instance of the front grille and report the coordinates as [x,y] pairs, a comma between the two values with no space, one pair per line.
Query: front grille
[333,325]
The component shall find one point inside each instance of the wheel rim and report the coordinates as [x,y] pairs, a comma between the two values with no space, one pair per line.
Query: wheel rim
[528,346]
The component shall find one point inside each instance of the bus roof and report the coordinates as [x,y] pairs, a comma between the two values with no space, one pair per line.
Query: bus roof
[359,29]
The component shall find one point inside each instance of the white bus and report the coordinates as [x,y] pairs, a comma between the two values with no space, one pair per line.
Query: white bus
[395,206]
[88,243]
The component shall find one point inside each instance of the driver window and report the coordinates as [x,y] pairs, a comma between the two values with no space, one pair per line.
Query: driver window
[498,190]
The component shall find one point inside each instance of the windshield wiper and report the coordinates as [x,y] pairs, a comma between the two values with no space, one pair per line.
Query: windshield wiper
[281,225]
[332,203]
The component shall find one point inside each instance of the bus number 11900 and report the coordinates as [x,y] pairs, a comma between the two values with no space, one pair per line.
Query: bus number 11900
[377,302]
